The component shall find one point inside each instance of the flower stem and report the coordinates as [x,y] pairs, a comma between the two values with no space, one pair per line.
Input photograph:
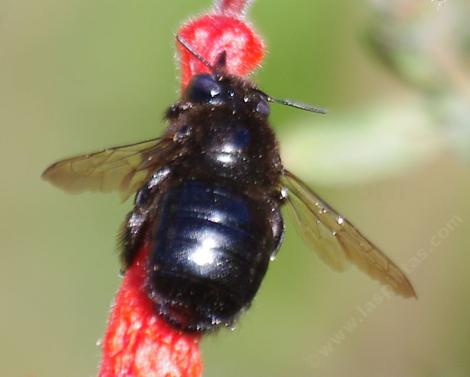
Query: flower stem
[233,7]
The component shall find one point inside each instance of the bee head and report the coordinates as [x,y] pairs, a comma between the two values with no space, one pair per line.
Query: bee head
[228,91]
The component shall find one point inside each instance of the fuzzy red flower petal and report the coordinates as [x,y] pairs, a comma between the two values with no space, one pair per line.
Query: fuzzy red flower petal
[212,34]
[138,343]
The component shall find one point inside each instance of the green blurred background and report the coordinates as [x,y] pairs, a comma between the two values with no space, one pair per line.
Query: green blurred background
[392,155]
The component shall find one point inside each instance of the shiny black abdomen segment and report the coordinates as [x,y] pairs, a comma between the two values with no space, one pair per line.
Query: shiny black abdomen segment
[210,251]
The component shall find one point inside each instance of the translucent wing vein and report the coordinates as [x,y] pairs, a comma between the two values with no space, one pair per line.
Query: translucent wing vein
[122,168]
[337,241]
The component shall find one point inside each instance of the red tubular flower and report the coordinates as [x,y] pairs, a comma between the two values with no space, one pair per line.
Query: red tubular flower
[138,343]
[222,30]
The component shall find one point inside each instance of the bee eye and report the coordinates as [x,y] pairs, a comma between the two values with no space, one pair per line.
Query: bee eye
[262,107]
[204,88]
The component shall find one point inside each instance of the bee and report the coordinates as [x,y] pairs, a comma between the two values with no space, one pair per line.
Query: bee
[208,198]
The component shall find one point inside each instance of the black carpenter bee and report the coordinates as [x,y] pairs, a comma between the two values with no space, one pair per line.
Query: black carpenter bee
[209,194]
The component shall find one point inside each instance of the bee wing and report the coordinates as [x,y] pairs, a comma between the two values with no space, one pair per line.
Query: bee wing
[124,168]
[337,241]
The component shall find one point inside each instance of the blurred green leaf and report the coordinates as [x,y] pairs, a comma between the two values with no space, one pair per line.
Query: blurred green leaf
[365,145]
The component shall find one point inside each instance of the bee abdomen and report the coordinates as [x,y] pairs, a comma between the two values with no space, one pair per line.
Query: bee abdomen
[210,251]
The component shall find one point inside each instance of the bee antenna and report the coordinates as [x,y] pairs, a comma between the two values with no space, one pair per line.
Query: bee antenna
[297,105]
[183,42]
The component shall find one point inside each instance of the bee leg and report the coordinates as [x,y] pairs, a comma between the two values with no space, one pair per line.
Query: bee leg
[136,225]
[277,226]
